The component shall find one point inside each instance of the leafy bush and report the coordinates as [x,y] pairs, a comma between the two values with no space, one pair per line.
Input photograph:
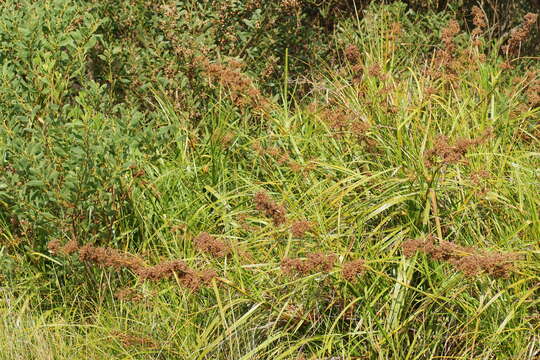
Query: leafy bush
[67,143]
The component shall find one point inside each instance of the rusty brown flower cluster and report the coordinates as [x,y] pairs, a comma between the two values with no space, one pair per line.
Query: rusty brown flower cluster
[479,179]
[395,31]
[270,208]
[109,257]
[300,228]
[55,247]
[210,245]
[246,226]
[479,21]
[353,269]
[320,262]
[469,260]
[352,53]
[341,121]
[112,258]
[290,5]
[223,139]
[444,56]
[445,153]
[519,35]
[243,91]
[315,262]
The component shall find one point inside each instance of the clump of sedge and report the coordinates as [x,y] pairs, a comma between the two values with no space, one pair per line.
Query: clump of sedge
[209,244]
[270,208]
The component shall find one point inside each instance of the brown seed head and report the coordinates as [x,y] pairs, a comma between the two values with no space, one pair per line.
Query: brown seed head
[352,269]
[352,53]
[452,154]
[470,261]
[479,21]
[395,31]
[299,228]
[70,247]
[321,262]
[449,32]
[209,244]
[242,91]
[519,35]
[54,246]
[292,266]
[108,257]
[165,270]
[270,208]
[314,262]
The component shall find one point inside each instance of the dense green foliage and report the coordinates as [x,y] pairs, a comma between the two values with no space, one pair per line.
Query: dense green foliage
[138,125]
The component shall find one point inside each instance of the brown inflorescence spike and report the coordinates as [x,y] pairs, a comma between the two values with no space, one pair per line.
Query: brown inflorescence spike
[452,154]
[469,260]
[129,340]
[270,208]
[109,257]
[299,228]
[321,262]
[54,246]
[112,258]
[352,53]
[352,269]
[479,21]
[315,262]
[71,247]
[164,270]
[291,266]
[520,34]
[209,244]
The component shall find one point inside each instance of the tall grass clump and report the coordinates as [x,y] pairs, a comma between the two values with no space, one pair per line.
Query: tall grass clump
[279,180]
